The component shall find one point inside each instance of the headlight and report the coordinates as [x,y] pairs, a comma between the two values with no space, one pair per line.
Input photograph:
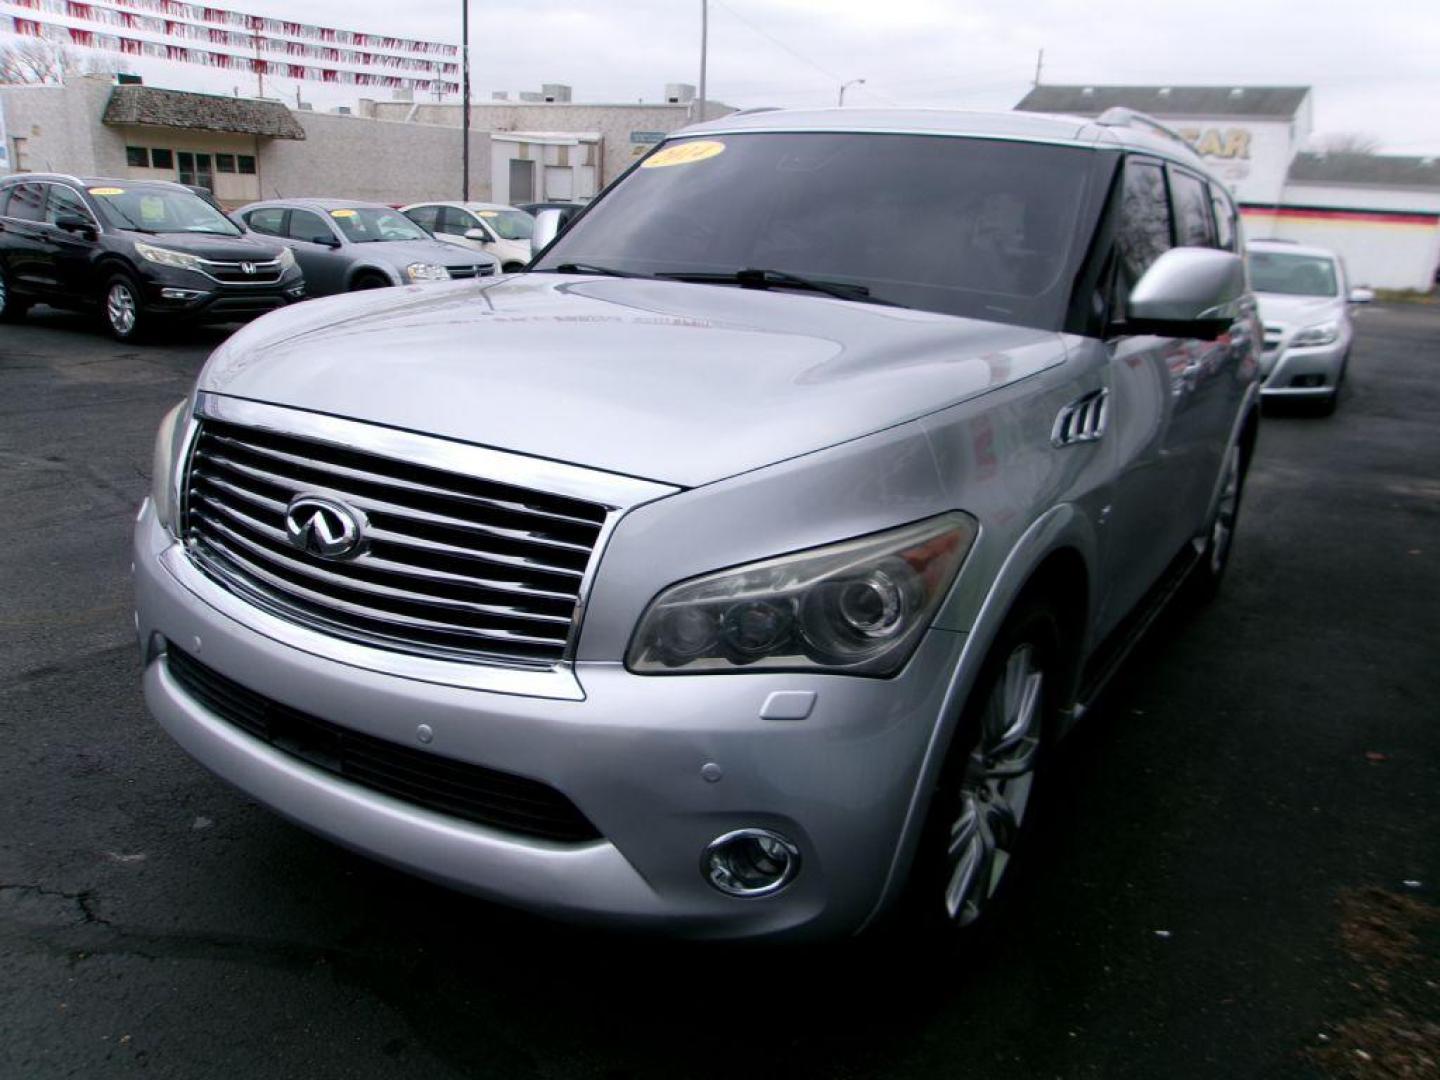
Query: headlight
[287,259]
[164,489]
[1320,334]
[181,260]
[426,272]
[859,607]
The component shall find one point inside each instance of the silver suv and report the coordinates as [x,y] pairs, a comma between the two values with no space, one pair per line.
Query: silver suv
[735,569]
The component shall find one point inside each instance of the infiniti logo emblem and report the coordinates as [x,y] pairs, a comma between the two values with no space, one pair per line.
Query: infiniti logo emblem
[324,527]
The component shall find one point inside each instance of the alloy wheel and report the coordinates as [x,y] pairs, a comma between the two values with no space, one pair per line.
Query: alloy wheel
[996,786]
[120,308]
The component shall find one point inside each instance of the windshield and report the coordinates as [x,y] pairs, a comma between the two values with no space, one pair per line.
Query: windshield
[1293,275]
[509,224]
[964,226]
[155,209]
[371,225]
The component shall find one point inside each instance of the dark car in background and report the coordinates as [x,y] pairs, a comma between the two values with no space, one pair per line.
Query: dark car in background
[344,245]
[140,253]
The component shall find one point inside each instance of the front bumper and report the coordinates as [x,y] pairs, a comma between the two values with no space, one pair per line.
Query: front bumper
[839,783]
[186,296]
[1313,371]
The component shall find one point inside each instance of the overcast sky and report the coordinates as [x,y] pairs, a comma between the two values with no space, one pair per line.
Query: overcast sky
[1375,67]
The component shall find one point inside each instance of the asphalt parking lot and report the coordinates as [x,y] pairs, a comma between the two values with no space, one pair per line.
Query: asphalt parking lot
[1242,881]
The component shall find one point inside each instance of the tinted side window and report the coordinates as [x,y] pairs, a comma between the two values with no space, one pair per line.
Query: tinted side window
[1193,225]
[270,220]
[307,226]
[455,222]
[65,203]
[1224,219]
[427,217]
[27,202]
[1144,233]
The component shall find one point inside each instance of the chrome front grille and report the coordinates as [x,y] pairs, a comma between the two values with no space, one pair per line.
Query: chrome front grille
[233,273]
[451,565]
[482,270]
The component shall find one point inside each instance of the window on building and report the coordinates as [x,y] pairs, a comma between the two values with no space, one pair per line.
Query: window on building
[225,163]
[1144,231]
[1194,227]
[269,220]
[137,157]
[247,164]
[162,159]
[27,202]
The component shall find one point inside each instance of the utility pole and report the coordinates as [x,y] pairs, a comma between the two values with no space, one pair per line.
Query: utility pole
[704,45]
[465,97]
[1039,66]
[844,86]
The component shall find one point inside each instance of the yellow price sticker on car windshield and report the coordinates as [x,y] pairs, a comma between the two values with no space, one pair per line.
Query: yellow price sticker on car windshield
[107,191]
[686,153]
[342,213]
[489,213]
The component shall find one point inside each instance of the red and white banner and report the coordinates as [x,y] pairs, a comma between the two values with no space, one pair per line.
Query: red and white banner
[223,38]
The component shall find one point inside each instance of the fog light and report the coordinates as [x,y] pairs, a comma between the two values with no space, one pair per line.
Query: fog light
[750,862]
[180,294]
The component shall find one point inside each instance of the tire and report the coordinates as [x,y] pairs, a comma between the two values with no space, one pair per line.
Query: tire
[369,281]
[122,308]
[12,307]
[986,802]
[1204,582]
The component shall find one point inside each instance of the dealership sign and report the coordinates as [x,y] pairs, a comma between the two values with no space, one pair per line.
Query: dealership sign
[1226,144]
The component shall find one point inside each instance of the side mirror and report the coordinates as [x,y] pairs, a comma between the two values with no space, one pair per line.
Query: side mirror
[477,234]
[75,223]
[548,225]
[1362,296]
[1187,292]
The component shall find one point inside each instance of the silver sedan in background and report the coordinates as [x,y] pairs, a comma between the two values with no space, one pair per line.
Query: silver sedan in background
[343,245]
[1305,296]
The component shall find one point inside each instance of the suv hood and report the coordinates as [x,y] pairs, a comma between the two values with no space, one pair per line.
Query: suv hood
[218,248]
[678,383]
[1286,310]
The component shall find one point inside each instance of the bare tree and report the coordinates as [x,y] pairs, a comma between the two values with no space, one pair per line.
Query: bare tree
[36,60]
[1347,142]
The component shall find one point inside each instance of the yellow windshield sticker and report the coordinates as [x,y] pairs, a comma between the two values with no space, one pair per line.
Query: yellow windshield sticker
[107,191]
[489,213]
[342,213]
[686,153]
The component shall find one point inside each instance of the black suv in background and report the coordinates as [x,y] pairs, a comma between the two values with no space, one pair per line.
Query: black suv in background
[138,252]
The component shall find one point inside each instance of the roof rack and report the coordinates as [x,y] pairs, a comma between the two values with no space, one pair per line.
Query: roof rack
[1120,116]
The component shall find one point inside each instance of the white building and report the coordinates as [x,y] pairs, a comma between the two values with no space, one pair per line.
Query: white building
[1381,212]
[244,149]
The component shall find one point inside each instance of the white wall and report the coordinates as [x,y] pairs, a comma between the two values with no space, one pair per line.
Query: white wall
[1396,250]
[1252,156]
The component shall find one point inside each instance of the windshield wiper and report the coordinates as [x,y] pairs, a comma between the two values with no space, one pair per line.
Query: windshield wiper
[592,268]
[752,278]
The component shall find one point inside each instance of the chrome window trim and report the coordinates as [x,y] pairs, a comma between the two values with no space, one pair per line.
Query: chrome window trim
[617,493]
